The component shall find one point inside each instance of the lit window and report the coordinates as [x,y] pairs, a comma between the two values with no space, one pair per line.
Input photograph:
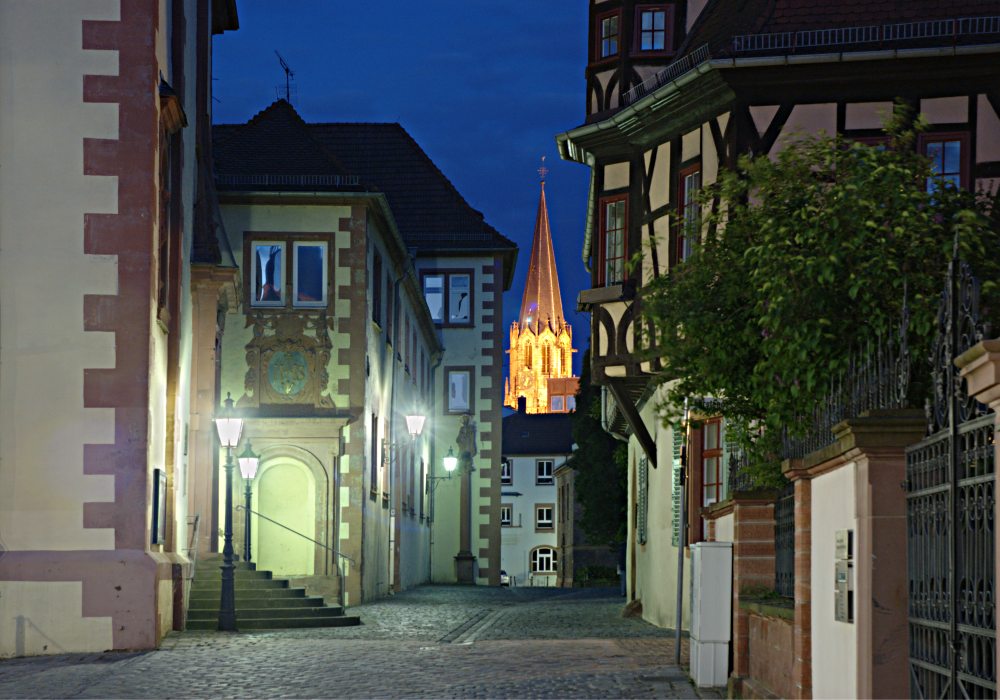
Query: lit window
[556,403]
[546,360]
[543,560]
[609,36]
[309,280]
[690,211]
[570,403]
[543,472]
[506,478]
[506,515]
[459,390]
[268,273]
[711,462]
[543,517]
[652,30]
[449,297]
[613,229]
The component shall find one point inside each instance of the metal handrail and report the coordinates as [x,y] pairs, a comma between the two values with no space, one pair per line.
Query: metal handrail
[296,532]
[192,554]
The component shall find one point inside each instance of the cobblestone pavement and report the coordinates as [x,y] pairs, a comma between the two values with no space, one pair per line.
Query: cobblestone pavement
[430,642]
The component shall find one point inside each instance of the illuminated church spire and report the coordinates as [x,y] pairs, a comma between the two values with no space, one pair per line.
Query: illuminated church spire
[541,342]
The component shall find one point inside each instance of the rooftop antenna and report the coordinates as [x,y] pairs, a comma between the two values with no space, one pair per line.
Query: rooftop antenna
[289,74]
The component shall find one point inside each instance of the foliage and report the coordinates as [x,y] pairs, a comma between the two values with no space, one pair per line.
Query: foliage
[599,462]
[806,254]
[596,576]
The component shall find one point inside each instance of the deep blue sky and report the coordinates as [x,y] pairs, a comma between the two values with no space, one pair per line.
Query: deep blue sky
[482,86]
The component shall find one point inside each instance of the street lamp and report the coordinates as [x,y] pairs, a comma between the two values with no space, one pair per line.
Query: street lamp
[415,425]
[248,468]
[229,427]
[450,465]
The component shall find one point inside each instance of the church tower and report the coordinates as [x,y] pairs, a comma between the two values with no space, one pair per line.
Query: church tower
[541,342]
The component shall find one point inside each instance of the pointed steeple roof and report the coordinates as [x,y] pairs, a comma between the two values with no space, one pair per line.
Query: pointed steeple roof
[542,302]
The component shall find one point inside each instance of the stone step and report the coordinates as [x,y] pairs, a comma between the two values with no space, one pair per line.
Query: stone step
[241,593]
[269,613]
[279,623]
[241,603]
[216,572]
[239,583]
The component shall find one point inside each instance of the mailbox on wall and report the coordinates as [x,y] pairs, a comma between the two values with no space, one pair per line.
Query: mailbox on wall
[843,569]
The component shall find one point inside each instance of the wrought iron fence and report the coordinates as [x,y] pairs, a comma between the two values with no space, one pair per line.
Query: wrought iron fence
[784,543]
[877,377]
[672,72]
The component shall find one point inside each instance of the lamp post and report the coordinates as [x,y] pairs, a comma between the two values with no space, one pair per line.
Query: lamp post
[248,468]
[229,427]
[450,465]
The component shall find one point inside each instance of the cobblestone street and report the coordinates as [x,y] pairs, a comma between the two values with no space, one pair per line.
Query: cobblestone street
[435,641]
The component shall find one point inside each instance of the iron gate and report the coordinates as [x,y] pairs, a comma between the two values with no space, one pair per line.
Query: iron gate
[950,479]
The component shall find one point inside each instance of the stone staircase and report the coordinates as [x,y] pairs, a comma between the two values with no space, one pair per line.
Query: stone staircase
[262,601]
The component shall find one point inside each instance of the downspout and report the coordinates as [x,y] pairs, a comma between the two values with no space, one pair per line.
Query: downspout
[588,229]
[432,485]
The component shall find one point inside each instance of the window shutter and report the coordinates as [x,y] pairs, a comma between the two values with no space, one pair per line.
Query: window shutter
[643,505]
[676,495]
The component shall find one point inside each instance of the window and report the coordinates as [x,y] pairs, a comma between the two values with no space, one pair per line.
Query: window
[543,472]
[543,517]
[543,560]
[374,456]
[690,211]
[377,288]
[459,390]
[948,154]
[309,273]
[546,360]
[506,478]
[570,403]
[506,515]
[268,273]
[711,461]
[642,501]
[608,36]
[449,296]
[652,27]
[557,403]
[612,267]
[271,268]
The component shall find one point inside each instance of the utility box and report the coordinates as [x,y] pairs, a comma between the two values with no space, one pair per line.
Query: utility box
[711,612]
[843,571]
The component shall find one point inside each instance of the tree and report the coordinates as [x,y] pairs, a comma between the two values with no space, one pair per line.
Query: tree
[600,465]
[807,254]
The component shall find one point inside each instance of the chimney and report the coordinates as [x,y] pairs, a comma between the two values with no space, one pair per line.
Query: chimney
[522,404]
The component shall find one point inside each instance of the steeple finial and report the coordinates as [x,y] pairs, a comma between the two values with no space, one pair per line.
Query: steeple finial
[543,171]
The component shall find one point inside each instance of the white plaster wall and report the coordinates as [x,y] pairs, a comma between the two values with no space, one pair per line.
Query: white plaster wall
[47,618]
[866,115]
[656,561]
[807,119]
[987,132]
[834,644]
[521,538]
[44,276]
[945,110]
[616,176]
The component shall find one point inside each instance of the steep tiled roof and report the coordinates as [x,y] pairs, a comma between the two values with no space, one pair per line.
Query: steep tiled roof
[278,151]
[537,434]
[428,209]
[721,20]
[277,143]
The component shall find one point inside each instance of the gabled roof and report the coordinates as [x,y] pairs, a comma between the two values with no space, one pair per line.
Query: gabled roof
[537,434]
[278,151]
[429,211]
[274,149]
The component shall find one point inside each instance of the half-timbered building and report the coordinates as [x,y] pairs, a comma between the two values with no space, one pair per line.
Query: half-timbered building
[667,109]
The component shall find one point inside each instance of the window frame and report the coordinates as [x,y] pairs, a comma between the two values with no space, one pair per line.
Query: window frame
[509,507]
[539,477]
[683,250]
[599,55]
[287,241]
[540,508]
[447,405]
[965,160]
[536,555]
[447,274]
[706,453]
[668,30]
[561,398]
[506,473]
[325,301]
[602,265]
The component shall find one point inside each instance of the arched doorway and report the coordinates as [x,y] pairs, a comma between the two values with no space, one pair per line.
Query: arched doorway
[286,493]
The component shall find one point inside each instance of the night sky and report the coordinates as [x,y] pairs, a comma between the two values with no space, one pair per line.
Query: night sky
[483,87]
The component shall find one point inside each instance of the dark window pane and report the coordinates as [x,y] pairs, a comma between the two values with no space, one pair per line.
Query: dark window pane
[309,273]
[267,273]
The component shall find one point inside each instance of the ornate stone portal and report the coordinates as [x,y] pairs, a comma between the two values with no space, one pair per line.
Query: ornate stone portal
[287,361]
